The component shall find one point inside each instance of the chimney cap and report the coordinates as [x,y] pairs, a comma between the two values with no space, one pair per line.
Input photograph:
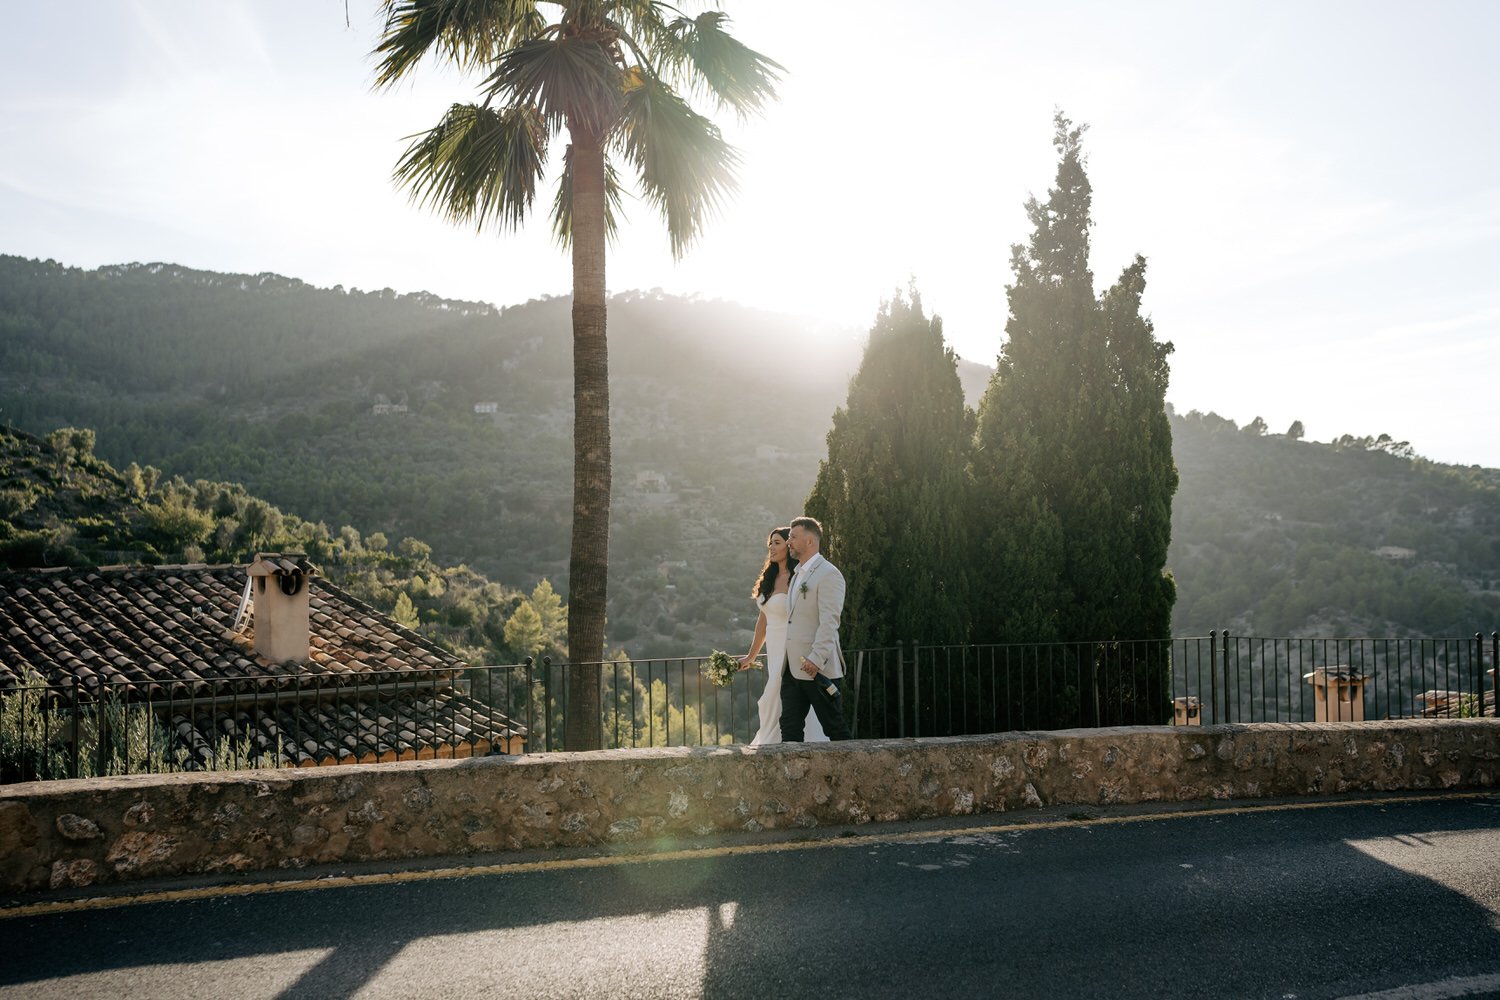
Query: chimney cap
[1337,673]
[281,564]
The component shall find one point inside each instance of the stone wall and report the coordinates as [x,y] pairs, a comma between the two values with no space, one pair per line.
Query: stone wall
[66,834]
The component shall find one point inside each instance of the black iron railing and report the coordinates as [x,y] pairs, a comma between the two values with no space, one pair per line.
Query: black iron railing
[82,729]
[1255,679]
[111,727]
[924,690]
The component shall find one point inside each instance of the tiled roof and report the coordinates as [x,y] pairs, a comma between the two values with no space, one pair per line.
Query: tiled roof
[138,627]
[417,725]
[1453,704]
[163,637]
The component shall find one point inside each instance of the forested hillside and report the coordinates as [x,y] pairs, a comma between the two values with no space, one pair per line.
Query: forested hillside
[446,421]
[414,416]
[1278,536]
[62,505]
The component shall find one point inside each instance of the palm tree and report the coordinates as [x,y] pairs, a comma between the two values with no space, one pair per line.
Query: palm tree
[613,74]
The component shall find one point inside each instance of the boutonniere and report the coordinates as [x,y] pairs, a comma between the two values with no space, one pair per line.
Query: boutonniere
[803,589]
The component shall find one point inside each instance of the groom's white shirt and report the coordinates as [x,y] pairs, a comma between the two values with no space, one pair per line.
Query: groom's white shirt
[803,571]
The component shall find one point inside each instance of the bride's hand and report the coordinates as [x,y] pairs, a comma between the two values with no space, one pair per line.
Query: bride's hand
[746,662]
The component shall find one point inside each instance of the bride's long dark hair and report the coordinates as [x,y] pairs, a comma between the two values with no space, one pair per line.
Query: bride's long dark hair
[766,585]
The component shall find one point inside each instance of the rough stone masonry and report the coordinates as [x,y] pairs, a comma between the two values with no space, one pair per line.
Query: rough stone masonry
[68,834]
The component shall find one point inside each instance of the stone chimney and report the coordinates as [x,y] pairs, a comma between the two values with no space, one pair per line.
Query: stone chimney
[278,587]
[1339,693]
[1187,711]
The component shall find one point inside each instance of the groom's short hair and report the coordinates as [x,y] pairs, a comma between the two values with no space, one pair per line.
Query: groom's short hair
[809,525]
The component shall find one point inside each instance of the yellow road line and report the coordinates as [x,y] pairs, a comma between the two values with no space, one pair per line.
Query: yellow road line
[606,861]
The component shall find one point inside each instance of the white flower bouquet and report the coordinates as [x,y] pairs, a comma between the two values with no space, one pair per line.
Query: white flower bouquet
[721,668]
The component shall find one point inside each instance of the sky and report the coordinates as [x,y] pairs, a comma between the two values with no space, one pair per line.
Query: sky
[1314,185]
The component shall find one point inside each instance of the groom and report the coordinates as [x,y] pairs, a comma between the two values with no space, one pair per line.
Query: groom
[815,604]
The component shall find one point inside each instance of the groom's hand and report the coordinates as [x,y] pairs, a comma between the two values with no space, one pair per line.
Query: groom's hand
[809,667]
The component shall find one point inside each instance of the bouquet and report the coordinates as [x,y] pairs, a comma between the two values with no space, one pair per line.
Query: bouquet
[721,668]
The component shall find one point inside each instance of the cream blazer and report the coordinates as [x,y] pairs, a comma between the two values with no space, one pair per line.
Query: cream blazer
[813,621]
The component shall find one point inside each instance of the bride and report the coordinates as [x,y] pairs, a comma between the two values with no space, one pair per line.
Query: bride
[771,593]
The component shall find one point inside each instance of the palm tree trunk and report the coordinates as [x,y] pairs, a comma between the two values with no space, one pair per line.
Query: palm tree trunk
[589,562]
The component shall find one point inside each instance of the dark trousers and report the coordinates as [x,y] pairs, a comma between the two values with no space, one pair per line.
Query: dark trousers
[798,694]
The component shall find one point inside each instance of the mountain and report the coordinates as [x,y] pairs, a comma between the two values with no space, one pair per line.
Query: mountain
[413,415]
[1277,536]
[448,421]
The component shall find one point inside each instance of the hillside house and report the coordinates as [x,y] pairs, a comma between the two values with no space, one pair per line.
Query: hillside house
[486,408]
[770,453]
[268,657]
[386,409]
[650,481]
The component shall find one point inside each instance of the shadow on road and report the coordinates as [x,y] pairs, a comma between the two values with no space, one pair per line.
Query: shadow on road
[1314,903]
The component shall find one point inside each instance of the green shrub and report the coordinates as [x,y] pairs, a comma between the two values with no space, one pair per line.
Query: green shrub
[14,502]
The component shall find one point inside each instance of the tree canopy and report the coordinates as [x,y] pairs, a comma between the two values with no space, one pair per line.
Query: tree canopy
[891,492]
[1073,463]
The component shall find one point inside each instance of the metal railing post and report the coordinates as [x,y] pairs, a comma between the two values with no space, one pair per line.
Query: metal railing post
[530,700]
[854,685]
[1098,682]
[1227,688]
[916,689]
[547,699]
[900,688]
[101,726]
[1479,675]
[73,762]
[1495,668]
[1213,670]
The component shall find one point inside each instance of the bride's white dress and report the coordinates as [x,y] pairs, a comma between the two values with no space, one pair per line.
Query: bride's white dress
[770,700]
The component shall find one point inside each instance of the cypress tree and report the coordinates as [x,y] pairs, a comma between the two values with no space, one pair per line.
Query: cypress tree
[891,492]
[1073,471]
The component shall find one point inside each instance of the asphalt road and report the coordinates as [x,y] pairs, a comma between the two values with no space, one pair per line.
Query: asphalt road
[1398,900]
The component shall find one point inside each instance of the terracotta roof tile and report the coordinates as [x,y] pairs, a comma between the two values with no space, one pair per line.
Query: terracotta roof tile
[1454,704]
[165,635]
[408,726]
[131,625]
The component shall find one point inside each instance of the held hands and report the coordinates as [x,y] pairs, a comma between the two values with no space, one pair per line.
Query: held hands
[808,666]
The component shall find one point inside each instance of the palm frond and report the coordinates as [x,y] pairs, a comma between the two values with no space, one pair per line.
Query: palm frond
[478,165]
[685,166]
[737,75]
[640,38]
[468,32]
[568,78]
[644,27]
[562,205]
[640,8]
